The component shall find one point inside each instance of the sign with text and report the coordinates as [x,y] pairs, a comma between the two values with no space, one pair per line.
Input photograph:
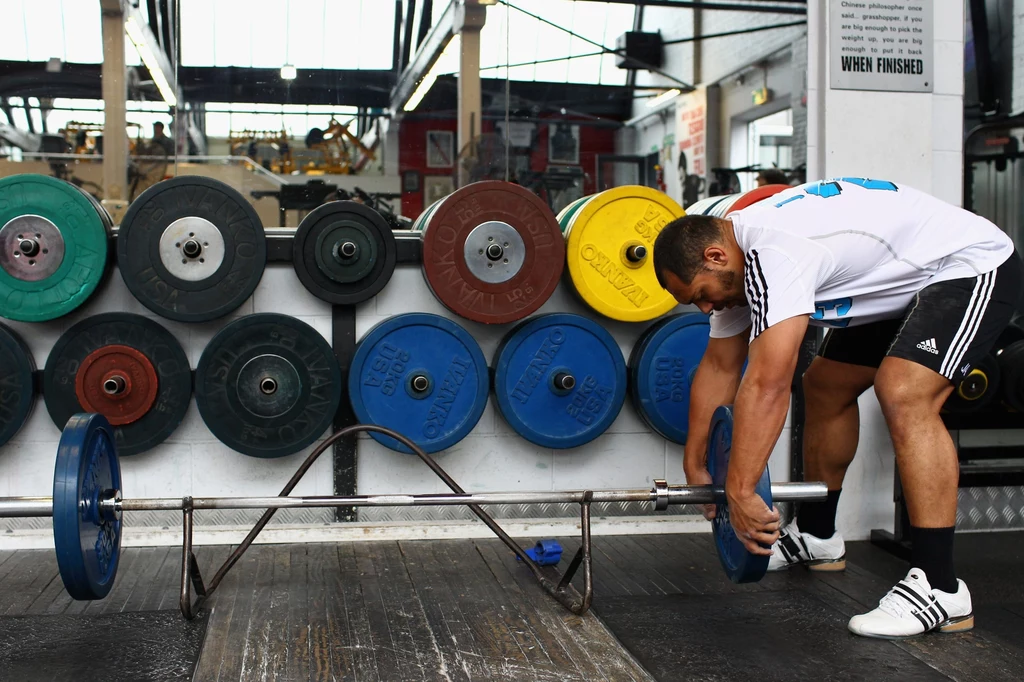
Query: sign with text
[691,125]
[881,45]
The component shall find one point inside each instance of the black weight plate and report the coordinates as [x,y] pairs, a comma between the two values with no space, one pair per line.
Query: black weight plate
[321,259]
[176,281]
[174,375]
[268,385]
[17,394]
[102,212]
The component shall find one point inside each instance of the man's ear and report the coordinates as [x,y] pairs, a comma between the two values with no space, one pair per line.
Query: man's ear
[715,255]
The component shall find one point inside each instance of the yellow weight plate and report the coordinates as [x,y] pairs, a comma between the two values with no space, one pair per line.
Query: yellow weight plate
[609,251]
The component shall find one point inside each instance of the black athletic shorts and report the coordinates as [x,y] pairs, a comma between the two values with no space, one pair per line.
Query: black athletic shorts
[948,326]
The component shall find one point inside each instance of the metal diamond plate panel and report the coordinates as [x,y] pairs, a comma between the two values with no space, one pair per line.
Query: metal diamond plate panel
[990,508]
[202,518]
[515,511]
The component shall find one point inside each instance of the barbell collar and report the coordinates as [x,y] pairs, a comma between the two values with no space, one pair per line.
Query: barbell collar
[660,494]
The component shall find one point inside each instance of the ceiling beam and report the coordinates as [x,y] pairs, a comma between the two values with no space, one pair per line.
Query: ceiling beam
[341,87]
[420,64]
[151,53]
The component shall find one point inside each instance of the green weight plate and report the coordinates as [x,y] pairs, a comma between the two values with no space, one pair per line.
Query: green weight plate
[566,215]
[53,248]
[421,223]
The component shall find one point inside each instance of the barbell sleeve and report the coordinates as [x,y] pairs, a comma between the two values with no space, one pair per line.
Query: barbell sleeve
[674,494]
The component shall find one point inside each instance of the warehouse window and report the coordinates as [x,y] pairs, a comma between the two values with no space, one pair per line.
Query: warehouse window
[534,41]
[308,34]
[296,119]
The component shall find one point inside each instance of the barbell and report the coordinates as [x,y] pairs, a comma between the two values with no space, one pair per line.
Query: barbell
[87,507]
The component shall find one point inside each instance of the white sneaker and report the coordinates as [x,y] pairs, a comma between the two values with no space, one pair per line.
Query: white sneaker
[912,608]
[794,547]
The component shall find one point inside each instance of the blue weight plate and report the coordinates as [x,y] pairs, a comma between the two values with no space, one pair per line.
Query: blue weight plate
[539,353]
[663,363]
[421,375]
[740,565]
[88,543]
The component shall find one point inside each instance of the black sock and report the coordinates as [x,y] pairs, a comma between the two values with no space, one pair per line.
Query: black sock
[932,552]
[819,518]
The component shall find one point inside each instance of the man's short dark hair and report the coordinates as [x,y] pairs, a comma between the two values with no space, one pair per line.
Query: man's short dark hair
[773,176]
[679,248]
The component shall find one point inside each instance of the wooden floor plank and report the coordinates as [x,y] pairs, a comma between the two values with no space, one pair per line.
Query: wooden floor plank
[319,584]
[467,577]
[351,635]
[219,606]
[456,646]
[127,578]
[162,565]
[601,651]
[629,554]
[407,610]
[668,568]
[559,643]
[240,583]
[391,647]
[296,635]
[33,576]
[257,657]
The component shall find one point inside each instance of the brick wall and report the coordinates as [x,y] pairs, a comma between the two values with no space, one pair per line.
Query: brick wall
[798,100]
[722,56]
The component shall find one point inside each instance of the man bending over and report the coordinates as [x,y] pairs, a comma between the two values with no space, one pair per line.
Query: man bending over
[914,291]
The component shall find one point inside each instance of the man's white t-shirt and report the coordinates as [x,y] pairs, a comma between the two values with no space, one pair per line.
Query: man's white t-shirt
[850,251]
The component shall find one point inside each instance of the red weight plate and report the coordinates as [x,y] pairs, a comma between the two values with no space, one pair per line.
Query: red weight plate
[118,382]
[493,252]
[755,195]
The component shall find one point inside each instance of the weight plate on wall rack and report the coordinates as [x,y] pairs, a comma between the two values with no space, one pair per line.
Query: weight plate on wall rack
[344,252]
[662,365]
[566,215]
[102,212]
[53,248]
[191,249]
[126,367]
[559,380]
[421,375]
[268,385]
[17,390]
[492,252]
[609,247]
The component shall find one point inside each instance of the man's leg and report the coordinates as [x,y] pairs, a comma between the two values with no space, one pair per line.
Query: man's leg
[844,369]
[950,328]
[831,431]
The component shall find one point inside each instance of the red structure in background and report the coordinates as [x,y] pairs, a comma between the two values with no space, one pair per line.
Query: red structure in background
[412,154]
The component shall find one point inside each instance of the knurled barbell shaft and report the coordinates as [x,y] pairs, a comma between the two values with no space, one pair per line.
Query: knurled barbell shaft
[677,495]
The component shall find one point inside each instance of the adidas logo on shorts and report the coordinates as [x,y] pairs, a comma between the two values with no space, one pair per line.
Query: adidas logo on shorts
[929,345]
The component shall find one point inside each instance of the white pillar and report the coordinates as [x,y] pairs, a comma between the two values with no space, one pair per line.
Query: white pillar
[115,96]
[910,137]
[914,138]
[469,19]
